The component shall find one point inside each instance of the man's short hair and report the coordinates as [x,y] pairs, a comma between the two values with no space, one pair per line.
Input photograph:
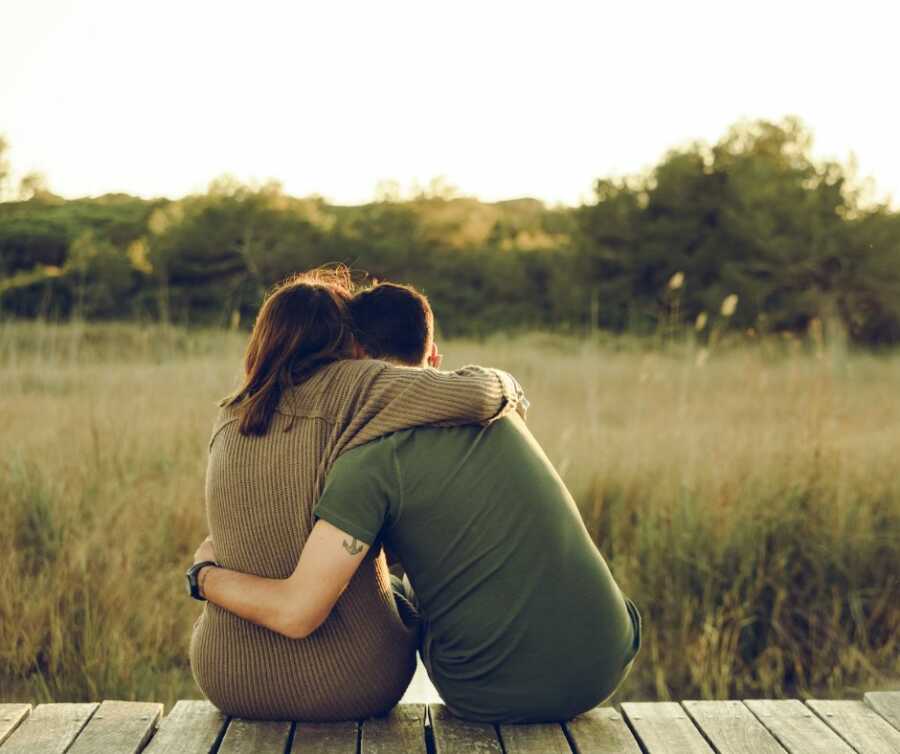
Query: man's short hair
[393,321]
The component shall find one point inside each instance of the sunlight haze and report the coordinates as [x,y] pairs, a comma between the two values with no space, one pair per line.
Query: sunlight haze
[500,99]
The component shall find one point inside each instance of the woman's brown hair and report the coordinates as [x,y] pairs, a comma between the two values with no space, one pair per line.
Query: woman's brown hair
[303,324]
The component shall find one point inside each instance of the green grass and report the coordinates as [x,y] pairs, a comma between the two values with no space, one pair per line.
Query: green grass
[748,500]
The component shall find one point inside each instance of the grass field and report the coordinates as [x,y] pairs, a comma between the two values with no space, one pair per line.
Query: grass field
[748,500]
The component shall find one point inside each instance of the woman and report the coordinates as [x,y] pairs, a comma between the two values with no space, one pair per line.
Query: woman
[303,401]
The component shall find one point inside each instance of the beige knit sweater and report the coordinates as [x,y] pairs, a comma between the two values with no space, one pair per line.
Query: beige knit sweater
[260,493]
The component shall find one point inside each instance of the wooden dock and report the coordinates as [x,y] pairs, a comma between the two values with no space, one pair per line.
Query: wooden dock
[761,726]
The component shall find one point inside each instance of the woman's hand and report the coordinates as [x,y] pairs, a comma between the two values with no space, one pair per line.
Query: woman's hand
[206,551]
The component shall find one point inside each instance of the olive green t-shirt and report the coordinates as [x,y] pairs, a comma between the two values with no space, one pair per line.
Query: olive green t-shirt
[522,619]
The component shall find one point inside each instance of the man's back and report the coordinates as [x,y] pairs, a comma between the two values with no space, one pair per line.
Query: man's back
[523,620]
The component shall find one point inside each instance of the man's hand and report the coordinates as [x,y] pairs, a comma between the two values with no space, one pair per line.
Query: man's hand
[206,551]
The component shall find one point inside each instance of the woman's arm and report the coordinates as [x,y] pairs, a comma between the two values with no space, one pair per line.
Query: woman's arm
[400,397]
[295,606]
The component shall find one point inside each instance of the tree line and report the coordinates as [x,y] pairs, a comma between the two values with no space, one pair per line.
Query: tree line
[752,227]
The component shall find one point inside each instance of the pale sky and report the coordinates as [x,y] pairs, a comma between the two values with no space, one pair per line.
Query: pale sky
[502,99]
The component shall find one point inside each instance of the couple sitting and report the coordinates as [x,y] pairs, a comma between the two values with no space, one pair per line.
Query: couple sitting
[345,437]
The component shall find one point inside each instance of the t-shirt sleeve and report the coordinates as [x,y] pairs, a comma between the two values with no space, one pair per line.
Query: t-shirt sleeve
[358,491]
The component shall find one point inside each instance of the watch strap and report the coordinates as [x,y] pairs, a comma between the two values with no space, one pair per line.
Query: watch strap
[192,577]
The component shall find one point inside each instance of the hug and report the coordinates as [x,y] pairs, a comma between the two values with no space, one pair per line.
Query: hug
[345,439]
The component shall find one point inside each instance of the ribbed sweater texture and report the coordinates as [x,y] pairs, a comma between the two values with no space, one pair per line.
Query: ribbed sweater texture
[260,492]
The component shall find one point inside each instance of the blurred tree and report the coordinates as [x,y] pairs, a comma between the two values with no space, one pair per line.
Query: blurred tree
[437,188]
[387,191]
[217,253]
[34,186]
[383,239]
[30,239]
[608,256]
[752,219]
[102,277]
[754,216]
[868,280]
[782,219]
[4,166]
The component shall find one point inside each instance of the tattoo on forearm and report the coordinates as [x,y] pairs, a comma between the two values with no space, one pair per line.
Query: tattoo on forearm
[353,548]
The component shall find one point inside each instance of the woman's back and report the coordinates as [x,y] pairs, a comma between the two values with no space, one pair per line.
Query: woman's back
[260,494]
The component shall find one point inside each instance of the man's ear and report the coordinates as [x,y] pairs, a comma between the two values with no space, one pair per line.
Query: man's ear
[434,358]
[358,351]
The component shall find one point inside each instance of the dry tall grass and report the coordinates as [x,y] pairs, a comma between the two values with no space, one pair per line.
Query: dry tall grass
[750,505]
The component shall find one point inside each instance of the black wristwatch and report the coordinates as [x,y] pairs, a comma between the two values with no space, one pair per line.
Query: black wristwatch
[193,587]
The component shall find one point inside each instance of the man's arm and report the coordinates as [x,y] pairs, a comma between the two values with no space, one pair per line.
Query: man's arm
[295,606]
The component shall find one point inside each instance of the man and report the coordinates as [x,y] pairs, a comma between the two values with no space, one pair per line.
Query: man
[521,620]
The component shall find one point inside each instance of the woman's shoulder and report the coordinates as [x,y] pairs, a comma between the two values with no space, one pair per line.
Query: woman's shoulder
[327,390]
[345,372]
[356,368]
[226,416]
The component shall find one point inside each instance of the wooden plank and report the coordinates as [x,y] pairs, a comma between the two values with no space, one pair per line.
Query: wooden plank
[886,704]
[664,727]
[402,731]
[122,727]
[538,738]
[601,730]
[325,738]
[796,727]
[255,736]
[455,736]
[191,727]
[11,716]
[50,728]
[732,728]
[860,726]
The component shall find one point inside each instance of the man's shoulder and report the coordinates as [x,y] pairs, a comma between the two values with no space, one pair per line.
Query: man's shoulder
[373,453]
[426,445]
[397,447]
[507,423]
[441,444]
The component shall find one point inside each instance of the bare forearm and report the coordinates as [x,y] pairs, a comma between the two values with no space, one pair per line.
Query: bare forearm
[295,606]
[254,598]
